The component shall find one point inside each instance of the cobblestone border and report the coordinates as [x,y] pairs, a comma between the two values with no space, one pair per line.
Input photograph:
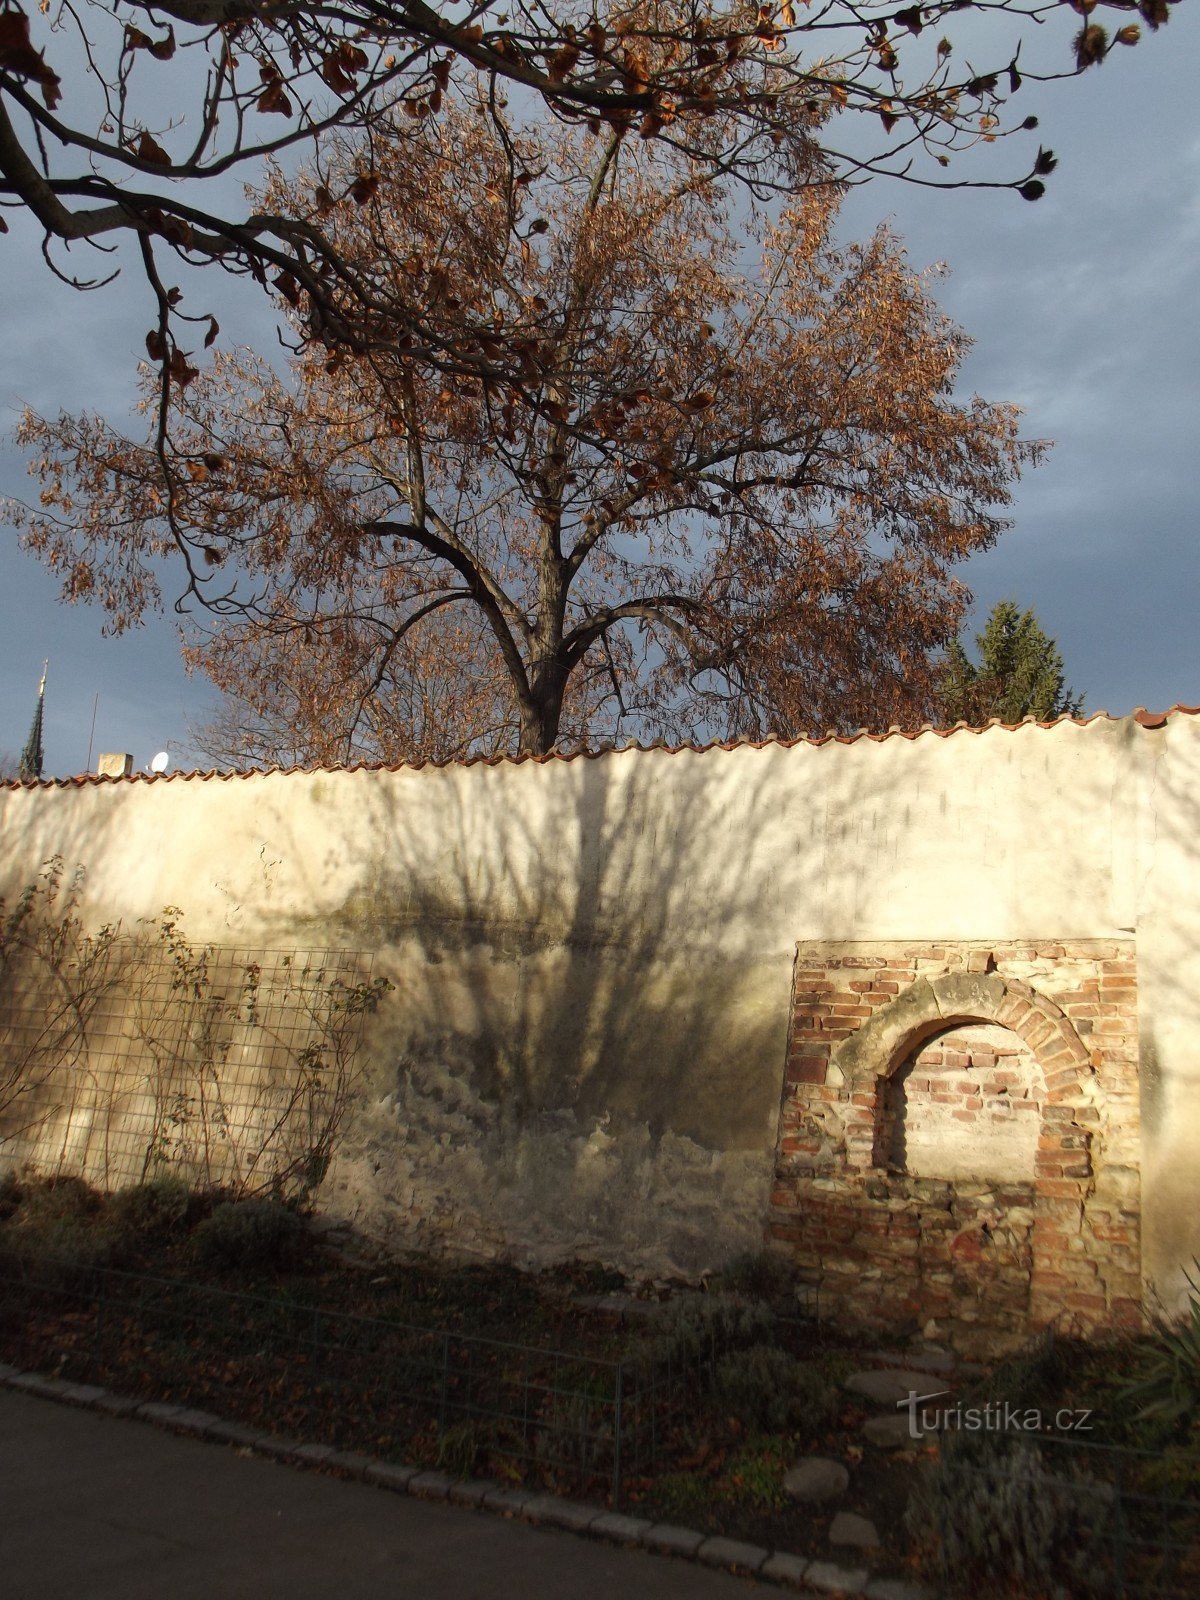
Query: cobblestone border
[540,1509]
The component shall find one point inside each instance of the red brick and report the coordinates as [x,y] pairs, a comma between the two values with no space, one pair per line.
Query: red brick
[1052,1241]
[1086,989]
[1126,1313]
[812,1070]
[1077,1300]
[1113,1234]
[788,1232]
[1038,1032]
[1061,1085]
[800,1146]
[1014,1013]
[810,1054]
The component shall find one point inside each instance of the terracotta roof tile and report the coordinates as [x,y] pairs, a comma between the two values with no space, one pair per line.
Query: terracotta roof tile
[1145,719]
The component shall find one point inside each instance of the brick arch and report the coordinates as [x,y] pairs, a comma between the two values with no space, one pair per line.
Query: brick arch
[929,1005]
[1063,1168]
[889,1246]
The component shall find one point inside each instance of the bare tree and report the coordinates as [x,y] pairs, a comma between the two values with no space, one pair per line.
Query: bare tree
[714,477]
[120,118]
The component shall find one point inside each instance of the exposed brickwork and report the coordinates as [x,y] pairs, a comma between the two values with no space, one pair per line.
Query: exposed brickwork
[967,1104]
[959,1135]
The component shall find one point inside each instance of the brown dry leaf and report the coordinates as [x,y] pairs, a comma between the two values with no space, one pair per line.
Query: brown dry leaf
[825,538]
[179,368]
[148,149]
[18,56]
[274,98]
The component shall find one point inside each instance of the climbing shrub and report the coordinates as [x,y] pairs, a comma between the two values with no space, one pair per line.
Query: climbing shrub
[136,1055]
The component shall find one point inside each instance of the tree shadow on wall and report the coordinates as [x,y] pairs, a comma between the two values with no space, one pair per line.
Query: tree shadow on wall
[585,1050]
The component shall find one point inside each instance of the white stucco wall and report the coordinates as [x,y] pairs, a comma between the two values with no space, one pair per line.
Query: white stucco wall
[592,956]
[1168,945]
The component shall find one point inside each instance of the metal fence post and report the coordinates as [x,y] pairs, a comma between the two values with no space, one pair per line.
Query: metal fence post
[101,1310]
[1119,1526]
[618,1404]
[445,1381]
[314,1360]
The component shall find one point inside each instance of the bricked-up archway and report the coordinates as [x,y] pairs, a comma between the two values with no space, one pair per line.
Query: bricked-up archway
[892,1246]
[965,1103]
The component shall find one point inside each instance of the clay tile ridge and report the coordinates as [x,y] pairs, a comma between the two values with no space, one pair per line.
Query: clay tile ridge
[1144,718]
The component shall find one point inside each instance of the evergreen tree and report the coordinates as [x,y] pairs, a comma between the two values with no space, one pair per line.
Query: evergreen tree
[1020,672]
[33,757]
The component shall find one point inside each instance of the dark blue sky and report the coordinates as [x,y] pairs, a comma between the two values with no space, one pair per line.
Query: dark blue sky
[1083,308]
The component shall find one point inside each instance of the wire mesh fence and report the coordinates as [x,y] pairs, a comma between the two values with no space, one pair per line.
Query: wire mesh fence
[124,1056]
[460,1401]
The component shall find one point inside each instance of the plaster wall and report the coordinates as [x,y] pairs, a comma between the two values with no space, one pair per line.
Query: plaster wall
[592,957]
[1168,941]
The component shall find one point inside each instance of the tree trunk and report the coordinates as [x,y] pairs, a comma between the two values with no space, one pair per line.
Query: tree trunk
[542,712]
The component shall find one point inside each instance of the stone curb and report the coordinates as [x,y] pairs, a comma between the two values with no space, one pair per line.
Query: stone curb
[542,1510]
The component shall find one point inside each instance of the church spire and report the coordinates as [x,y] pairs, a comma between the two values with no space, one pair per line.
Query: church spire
[32,757]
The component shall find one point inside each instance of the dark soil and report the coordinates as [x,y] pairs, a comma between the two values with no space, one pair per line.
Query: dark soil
[319,1338]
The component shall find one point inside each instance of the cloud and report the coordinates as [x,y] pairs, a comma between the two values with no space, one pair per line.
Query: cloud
[1082,308]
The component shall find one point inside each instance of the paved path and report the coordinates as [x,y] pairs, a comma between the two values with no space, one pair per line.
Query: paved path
[102,1508]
